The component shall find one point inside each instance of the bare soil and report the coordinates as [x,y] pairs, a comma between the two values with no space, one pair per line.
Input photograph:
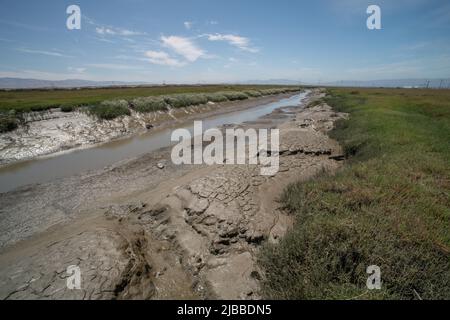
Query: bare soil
[139,230]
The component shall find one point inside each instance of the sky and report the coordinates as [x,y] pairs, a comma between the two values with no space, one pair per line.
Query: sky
[205,41]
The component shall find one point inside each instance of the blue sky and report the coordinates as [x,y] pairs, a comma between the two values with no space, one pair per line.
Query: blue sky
[225,41]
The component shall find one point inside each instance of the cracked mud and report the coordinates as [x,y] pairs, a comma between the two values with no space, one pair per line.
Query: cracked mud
[147,229]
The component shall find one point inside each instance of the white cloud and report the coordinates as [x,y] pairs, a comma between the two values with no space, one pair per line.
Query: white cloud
[184,47]
[43,52]
[242,43]
[162,58]
[112,66]
[104,40]
[39,74]
[76,70]
[188,24]
[117,31]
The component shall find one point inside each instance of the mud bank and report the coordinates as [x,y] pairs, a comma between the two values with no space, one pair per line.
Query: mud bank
[53,131]
[147,229]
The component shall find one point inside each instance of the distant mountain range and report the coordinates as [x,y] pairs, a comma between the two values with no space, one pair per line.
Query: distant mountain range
[20,83]
[392,83]
[404,83]
[287,82]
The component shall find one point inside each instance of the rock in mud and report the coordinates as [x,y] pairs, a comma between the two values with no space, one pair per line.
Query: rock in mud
[160,165]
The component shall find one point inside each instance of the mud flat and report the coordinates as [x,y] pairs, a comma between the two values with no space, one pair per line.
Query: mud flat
[53,131]
[147,229]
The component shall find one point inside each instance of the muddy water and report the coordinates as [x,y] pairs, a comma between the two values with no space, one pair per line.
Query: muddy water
[66,164]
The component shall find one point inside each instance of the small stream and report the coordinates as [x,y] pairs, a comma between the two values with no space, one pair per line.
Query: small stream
[44,169]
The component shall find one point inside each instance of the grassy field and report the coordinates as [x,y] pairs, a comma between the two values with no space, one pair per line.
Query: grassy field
[389,206]
[110,103]
[33,100]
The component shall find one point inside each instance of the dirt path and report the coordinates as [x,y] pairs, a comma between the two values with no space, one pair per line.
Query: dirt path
[137,231]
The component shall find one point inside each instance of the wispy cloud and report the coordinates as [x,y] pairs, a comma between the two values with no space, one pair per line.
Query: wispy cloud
[117,31]
[416,46]
[112,66]
[163,58]
[184,47]
[39,74]
[7,40]
[240,42]
[231,61]
[108,30]
[411,68]
[76,70]
[188,24]
[104,40]
[44,52]
[439,17]
[23,25]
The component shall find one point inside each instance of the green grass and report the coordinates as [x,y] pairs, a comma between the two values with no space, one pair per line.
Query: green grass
[34,100]
[110,103]
[389,206]
[110,109]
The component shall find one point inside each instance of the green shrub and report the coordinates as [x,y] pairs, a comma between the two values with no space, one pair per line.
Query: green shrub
[253,93]
[8,122]
[235,95]
[196,99]
[273,91]
[110,109]
[267,92]
[216,97]
[67,108]
[185,100]
[149,104]
[314,103]
[40,108]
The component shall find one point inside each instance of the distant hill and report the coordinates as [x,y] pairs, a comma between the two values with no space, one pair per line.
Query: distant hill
[273,81]
[390,83]
[19,83]
[403,83]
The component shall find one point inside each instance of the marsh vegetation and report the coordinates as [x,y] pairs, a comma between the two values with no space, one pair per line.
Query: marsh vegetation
[389,206]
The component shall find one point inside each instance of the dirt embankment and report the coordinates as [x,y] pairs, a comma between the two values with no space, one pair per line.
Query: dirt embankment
[138,230]
[52,131]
